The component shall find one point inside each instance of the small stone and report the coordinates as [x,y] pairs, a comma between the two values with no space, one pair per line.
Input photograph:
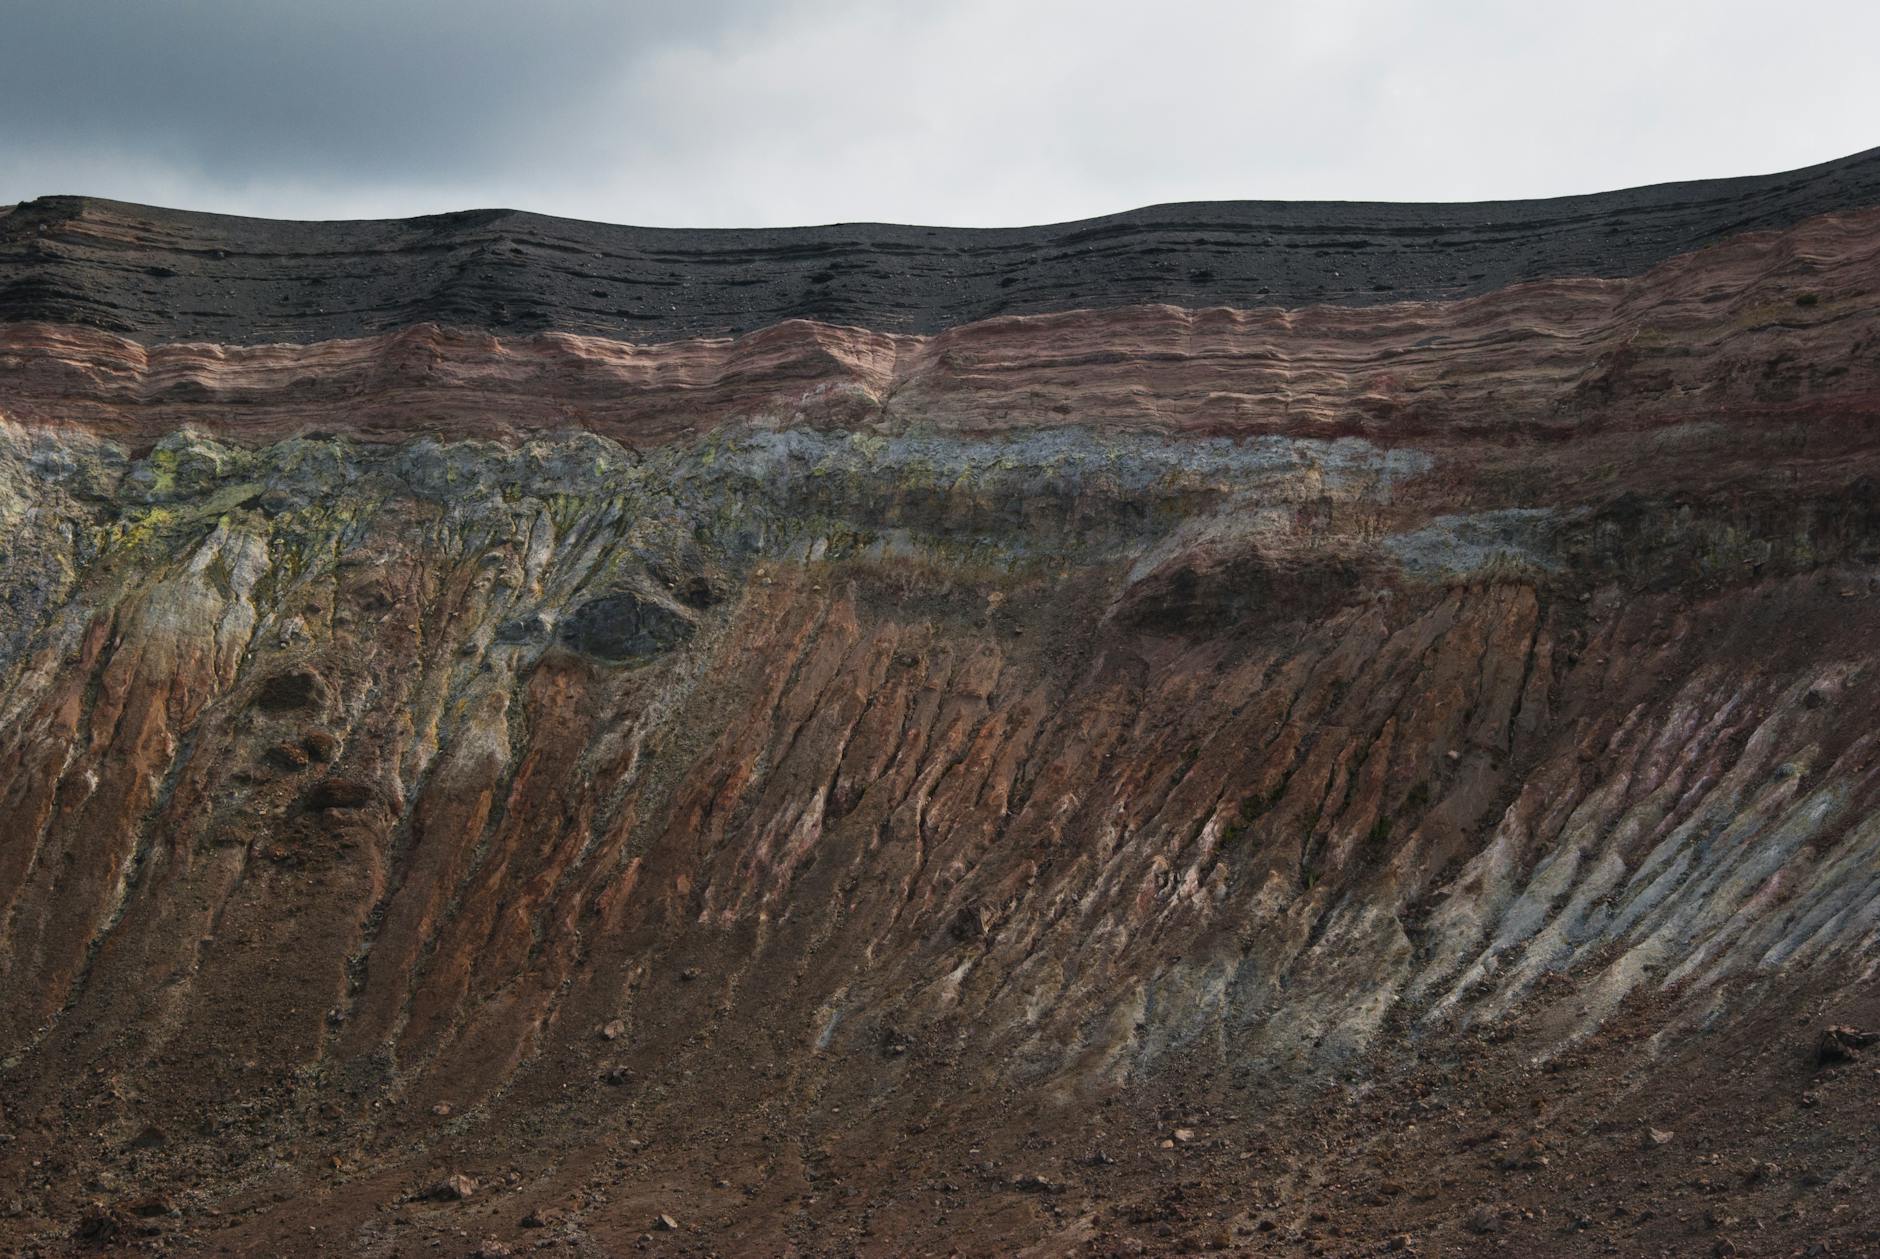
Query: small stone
[151,1138]
[492,1249]
[614,1030]
[667,1224]
[1842,1044]
[441,1109]
[288,756]
[1184,1135]
[297,688]
[453,1188]
[1657,1136]
[340,793]
[98,1224]
[1484,1219]
[319,745]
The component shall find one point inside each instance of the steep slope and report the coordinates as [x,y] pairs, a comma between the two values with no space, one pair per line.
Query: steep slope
[1137,777]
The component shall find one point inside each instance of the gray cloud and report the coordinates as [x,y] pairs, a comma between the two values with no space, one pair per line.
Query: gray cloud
[975,111]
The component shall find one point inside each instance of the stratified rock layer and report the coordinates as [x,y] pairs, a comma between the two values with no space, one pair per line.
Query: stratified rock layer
[1136,777]
[165,275]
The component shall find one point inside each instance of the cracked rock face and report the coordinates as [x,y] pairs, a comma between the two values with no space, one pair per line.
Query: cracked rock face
[1114,778]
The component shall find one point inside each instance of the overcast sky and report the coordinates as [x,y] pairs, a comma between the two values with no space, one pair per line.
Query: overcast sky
[972,112]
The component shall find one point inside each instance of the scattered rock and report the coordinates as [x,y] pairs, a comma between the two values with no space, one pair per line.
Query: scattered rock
[288,756]
[490,1248]
[667,1224]
[533,628]
[616,1076]
[453,1188]
[614,1030]
[968,924]
[1033,1183]
[320,746]
[151,1138]
[98,1225]
[1842,1044]
[1656,1137]
[1484,1219]
[293,690]
[340,793]
[441,1109]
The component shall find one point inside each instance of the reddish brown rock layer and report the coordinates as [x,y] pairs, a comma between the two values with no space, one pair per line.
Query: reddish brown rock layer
[1758,327]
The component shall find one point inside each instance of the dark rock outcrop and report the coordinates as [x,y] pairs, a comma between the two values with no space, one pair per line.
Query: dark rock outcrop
[164,275]
[624,625]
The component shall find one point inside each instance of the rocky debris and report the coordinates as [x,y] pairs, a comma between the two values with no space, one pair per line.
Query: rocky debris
[292,691]
[288,756]
[149,1137]
[490,1248]
[320,746]
[1840,1044]
[613,1029]
[1653,1137]
[340,793]
[534,628]
[99,1225]
[1484,1219]
[453,1188]
[665,1223]
[624,626]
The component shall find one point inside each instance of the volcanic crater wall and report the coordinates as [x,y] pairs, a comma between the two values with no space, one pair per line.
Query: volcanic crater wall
[431,696]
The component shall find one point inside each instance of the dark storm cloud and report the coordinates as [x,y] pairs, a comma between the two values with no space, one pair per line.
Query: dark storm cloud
[753,112]
[240,90]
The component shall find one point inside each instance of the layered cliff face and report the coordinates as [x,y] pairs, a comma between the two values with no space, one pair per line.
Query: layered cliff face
[1136,774]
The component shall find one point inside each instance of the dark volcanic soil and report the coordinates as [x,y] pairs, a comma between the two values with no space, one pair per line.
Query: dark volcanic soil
[165,275]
